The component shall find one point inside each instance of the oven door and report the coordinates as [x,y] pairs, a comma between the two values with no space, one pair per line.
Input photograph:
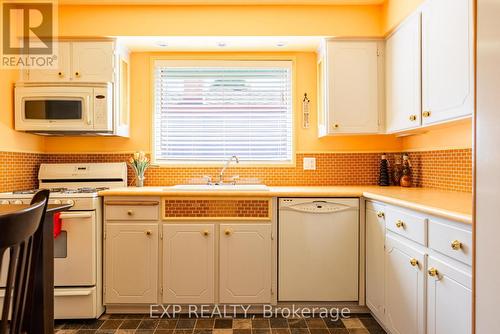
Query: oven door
[54,108]
[75,250]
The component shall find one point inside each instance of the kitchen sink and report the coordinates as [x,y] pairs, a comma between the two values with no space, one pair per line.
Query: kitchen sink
[222,187]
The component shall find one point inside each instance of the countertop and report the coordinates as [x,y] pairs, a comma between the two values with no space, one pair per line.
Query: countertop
[452,205]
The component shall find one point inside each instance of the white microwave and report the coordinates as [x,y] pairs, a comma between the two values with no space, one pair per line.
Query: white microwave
[59,109]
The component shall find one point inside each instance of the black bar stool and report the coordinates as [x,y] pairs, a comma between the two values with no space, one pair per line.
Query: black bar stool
[17,235]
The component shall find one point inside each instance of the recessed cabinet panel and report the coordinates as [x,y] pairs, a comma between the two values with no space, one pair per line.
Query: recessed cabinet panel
[60,74]
[403,77]
[131,263]
[188,263]
[375,244]
[93,61]
[448,60]
[404,281]
[245,263]
[353,87]
[449,299]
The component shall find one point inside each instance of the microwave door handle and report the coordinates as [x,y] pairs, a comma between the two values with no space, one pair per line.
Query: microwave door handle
[88,120]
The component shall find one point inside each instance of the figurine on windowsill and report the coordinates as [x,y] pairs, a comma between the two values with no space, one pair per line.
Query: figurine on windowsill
[406,172]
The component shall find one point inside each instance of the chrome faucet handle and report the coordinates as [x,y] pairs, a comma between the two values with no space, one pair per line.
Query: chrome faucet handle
[234,179]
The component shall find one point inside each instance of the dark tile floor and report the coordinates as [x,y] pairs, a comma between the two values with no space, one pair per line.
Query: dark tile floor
[139,323]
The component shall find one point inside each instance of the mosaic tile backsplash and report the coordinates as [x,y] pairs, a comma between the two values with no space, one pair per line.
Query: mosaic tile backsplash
[446,169]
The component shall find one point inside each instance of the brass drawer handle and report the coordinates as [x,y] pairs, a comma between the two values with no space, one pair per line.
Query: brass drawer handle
[414,262]
[227,232]
[130,212]
[456,245]
[206,233]
[432,272]
[148,233]
[400,224]
[426,114]
[380,214]
[77,74]
[60,74]
[413,118]
[336,126]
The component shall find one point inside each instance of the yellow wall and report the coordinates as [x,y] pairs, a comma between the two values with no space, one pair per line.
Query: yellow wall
[394,11]
[11,140]
[141,110]
[220,20]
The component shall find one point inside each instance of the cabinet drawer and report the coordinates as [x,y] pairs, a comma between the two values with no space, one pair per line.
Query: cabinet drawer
[131,210]
[451,239]
[407,224]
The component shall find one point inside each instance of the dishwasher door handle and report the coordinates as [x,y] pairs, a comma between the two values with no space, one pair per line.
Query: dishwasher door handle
[317,207]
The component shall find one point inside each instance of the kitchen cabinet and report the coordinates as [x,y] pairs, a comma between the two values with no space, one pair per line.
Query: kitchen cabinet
[131,263]
[188,263]
[447,60]
[405,283]
[245,263]
[375,258]
[79,61]
[449,298]
[403,77]
[350,87]
[92,61]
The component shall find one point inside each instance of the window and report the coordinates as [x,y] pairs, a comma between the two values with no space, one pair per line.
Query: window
[208,111]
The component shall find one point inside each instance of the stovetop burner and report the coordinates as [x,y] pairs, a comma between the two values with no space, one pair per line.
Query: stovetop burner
[24,192]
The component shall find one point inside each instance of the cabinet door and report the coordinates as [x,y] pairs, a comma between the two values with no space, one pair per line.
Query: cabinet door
[449,299]
[188,263]
[92,61]
[403,98]
[448,65]
[404,287]
[131,268]
[60,74]
[353,87]
[245,263]
[375,240]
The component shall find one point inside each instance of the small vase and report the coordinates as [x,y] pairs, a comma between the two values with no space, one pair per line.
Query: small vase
[139,181]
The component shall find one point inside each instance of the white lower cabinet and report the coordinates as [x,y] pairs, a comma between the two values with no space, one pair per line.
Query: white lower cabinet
[449,298]
[404,293]
[245,263]
[131,269]
[188,263]
[375,248]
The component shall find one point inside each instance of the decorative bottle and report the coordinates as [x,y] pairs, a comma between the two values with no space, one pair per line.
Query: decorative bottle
[383,178]
[397,170]
[406,172]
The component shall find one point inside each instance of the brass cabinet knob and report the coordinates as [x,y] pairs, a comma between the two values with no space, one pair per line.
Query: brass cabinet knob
[77,74]
[380,214]
[413,118]
[432,272]
[414,262]
[130,212]
[400,224]
[426,114]
[456,245]
[148,232]
[60,74]
[227,232]
[206,233]
[336,126]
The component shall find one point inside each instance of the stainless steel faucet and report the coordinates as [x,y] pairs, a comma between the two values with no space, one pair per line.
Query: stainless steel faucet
[221,174]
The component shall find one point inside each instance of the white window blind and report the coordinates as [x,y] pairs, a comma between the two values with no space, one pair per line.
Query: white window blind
[207,111]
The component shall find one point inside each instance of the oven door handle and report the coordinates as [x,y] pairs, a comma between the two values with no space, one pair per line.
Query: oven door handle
[71,293]
[75,215]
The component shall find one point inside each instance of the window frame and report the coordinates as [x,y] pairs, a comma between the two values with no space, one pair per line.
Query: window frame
[208,61]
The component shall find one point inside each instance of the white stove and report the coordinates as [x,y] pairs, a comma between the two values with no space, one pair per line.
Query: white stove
[78,249]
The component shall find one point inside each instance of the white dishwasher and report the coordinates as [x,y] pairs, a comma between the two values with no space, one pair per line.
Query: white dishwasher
[318,249]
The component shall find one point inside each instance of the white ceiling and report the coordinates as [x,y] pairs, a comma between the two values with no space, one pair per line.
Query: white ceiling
[222,2]
[221,43]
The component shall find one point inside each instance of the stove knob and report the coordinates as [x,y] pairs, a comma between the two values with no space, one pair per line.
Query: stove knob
[57,201]
[5,202]
[70,202]
[18,201]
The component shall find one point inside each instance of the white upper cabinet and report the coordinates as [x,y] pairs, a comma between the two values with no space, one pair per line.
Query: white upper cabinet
[79,61]
[349,87]
[403,79]
[447,60]
[92,61]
